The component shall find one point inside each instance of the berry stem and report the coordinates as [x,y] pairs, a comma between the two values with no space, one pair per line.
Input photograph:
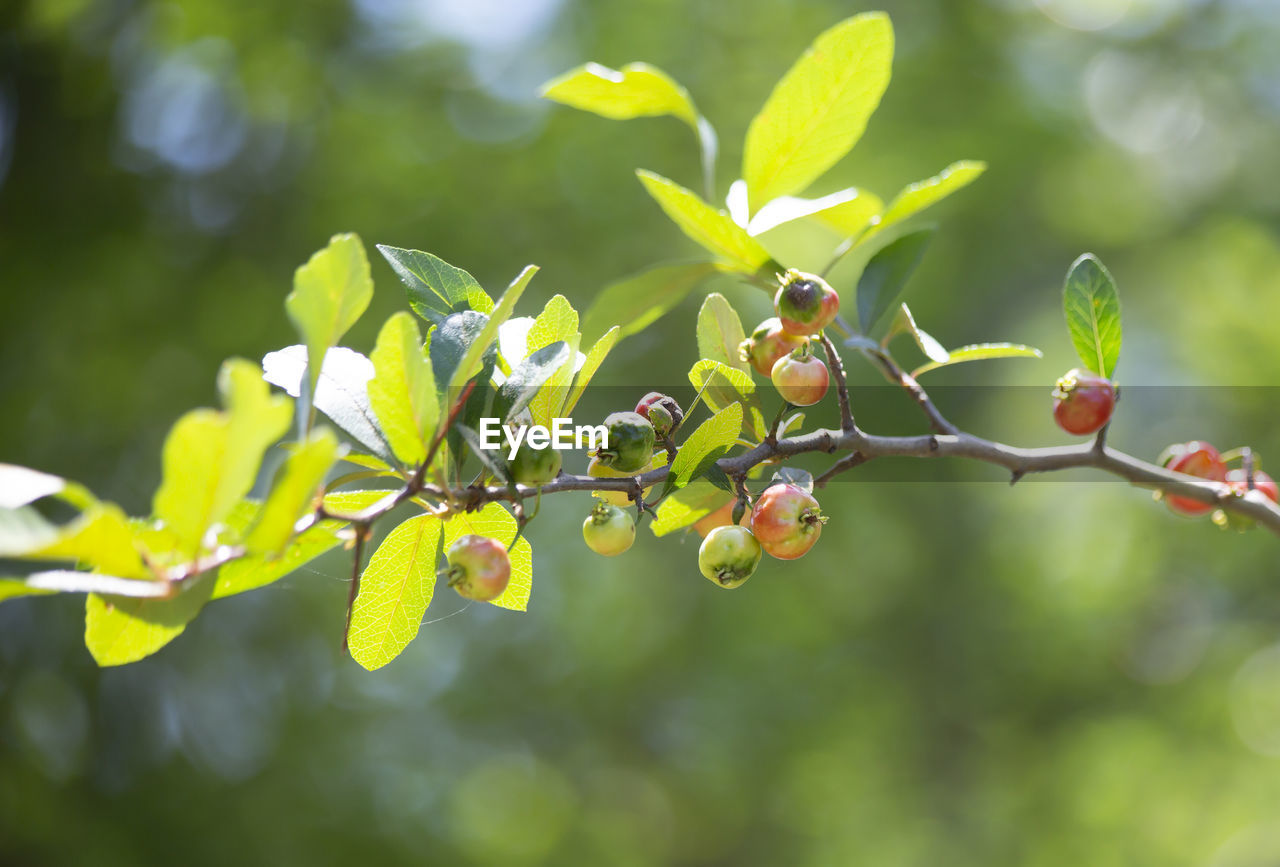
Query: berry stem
[836,365]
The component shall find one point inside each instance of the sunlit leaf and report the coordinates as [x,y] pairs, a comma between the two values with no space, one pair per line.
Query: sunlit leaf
[12,588]
[1092,307]
[395,590]
[905,323]
[211,459]
[720,332]
[471,363]
[435,287]
[707,444]
[294,491]
[100,538]
[916,197]
[122,629]
[330,292]
[342,392]
[722,385]
[636,90]
[847,211]
[711,228]
[633,304]
[981,352]
[684,507]
[402,392]
[496,522]
[595,357]
[819,109]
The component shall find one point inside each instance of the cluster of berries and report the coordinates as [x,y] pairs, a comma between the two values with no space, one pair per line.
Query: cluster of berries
[780,348]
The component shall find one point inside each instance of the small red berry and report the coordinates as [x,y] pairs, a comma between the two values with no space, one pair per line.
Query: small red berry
[661,411]
[767,344]
[800,378]
[1197,459]
[805,304]
[1262,483]
[479,567]
[786,521]
[1082,402]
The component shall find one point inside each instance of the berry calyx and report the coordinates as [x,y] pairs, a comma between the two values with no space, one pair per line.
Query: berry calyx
[801,378]
[721,517]
[1195,458]
[661,411]
[631,440]
[608,530]
[479,568]
[729,556]
[1238,481]
[535,467]
[767,344]
[601,471]
[1083,402]
[805,304]
[786,521]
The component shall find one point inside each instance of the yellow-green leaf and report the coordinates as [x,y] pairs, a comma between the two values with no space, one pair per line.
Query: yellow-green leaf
[496,522]
[706,445]
[684,507]
[720,332]
[472,360]
[636,302]
[595,357]
[122,629]
[330,292]
[296,487]
[819,109]
[395,590]
[722,385]
[636,90]
[403,389]
[916,197]
[980,352]
[711,228]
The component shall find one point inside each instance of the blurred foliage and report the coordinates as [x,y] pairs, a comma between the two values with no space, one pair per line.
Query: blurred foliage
[960,673]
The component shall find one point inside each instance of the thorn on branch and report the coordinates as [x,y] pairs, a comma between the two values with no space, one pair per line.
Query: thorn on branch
[1016,476]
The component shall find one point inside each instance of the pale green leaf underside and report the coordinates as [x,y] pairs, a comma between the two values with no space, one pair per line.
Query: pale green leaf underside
[819,109]
[980,352]
[720,332]
[1092,308]
[395,590]
[635,90]
[713,229]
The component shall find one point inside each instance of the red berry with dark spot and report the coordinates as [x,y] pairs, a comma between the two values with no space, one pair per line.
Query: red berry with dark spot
[661,411]
[786,521]
[1082,402]
[1197,459]
[805,304]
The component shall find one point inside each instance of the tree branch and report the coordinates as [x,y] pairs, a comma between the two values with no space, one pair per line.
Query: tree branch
[898,376]
[836,365]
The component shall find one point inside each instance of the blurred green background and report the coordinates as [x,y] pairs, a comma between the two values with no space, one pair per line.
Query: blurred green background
[961,673]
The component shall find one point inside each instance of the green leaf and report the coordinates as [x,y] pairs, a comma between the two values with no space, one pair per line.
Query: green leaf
[471,363]
[852,216]
[395,590]
[329,294]
[905,323]
[100,538]
[350,502]
[720,332]
[1092,308]
[252,572]
[448,347]
[527,377]
[885,276]
[295,490]
[211,459]
[589,367]
[11,588]
[402,392]
[635,303]
[557,321]
[122,629]
[916,197]
[819,109]
[342,393]
[706,445]
[497,523]
[636,90]
[981,352]
[722,385]
[711,228]
[435,287]
[684,507]
[847,211]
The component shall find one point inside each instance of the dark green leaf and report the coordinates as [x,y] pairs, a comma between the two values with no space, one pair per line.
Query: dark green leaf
[885,276]
[802,479]
[435,287]
[491,458]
